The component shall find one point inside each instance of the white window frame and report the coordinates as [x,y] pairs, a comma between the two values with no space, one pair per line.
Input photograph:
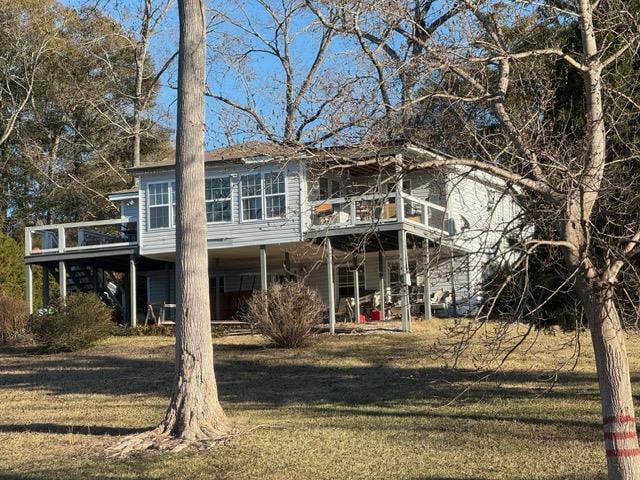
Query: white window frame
[171,186]
[263,196]
[272,195]
[213,201]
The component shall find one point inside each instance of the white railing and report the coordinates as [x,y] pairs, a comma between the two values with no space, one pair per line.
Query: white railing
[80,236]
[377,208]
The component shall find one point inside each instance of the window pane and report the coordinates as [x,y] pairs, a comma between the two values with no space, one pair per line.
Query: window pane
[273,183]
[252,209]
[217,188]
[251,185]
[276,206]
[158,217]
[219,211]
[159,194]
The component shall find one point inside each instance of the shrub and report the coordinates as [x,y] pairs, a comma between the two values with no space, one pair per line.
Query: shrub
[286,313]
[76,324]
[14,315]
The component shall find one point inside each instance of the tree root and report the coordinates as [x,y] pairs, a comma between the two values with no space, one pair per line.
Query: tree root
[157,441]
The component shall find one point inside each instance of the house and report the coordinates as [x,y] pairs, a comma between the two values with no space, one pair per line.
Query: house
[349,222]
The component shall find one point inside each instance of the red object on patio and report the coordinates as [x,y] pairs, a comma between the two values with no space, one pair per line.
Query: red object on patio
[362,318]
[376,315]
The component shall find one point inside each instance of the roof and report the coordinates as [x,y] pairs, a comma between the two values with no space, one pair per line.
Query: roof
[230,153]
[347,155]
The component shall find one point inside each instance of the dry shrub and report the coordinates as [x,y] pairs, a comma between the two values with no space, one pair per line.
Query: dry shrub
[285,313]
[14,316]
[76,324]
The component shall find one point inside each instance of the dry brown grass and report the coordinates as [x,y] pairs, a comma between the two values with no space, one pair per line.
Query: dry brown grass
[367,406]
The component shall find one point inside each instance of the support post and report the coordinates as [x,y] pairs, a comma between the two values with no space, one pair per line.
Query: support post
[216,266]
[356,289]
[45,286]
[404,287]
[62,272]
[29,287]
[454,307]
[399,189]
[331,287]
[287,266]
[133,297]
[426,280]
[263,268]
[381,286]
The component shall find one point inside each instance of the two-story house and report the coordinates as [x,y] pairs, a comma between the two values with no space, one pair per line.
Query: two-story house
[349,222]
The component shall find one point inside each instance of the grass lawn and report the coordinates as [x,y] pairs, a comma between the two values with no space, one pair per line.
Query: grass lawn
[358,406]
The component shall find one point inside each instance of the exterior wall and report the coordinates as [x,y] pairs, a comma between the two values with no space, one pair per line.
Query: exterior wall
[482,215]
[237,232]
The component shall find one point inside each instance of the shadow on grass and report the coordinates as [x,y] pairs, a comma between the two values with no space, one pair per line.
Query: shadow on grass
[98,430]
[250,376]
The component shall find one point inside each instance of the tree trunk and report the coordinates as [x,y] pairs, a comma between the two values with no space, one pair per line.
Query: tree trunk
[194,413]
[612,365]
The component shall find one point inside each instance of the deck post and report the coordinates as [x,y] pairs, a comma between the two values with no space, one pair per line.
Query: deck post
[356,289]
[216,266]
[381,284]
[287,266]
[426,281]
[263,268]
[29,287]
[62,272]
[399,189]
[133,311]
[331,287]
[45,286]
[454,307]
[404,284]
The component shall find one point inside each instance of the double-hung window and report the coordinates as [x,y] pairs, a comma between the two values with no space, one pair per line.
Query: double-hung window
[274,194]
[217,192]
[159,205]
[251,190]
[263,196]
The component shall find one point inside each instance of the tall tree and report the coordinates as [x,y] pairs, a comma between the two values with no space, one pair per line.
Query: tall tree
[194,414]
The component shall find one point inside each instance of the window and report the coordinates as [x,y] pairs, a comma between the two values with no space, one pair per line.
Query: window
[345,281]
[159,207]
[275,198]
[263,196]
[217,194]
[328,188]
[251,197]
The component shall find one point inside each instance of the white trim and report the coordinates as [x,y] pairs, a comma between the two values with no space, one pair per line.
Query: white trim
[263,196]
[171,185]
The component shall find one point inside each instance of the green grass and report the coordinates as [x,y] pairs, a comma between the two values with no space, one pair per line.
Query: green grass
[362,407]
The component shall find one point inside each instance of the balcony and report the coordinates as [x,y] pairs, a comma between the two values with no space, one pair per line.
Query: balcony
[81,236]
[377,209]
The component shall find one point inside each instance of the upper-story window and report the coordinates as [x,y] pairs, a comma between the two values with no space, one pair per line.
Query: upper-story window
[251,196]
[162,205]
[217,192]
[260,191]
[275,197]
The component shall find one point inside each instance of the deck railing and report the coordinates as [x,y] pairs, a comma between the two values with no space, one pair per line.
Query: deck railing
[377,208]
[80,236]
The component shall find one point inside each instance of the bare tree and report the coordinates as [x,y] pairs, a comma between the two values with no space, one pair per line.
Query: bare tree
[25,42]
[194,414]
[291,88]
[567,178]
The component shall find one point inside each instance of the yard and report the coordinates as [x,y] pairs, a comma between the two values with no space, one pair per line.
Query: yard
[357,406]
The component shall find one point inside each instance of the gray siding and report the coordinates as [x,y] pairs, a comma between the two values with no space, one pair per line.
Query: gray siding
[237,232]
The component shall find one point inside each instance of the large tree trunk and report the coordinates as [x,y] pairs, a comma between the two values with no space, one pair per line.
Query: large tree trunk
[194,413]
[612,365]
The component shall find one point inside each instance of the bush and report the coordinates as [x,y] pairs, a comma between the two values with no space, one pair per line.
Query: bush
[70,327]
[286,313]
[14,315]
